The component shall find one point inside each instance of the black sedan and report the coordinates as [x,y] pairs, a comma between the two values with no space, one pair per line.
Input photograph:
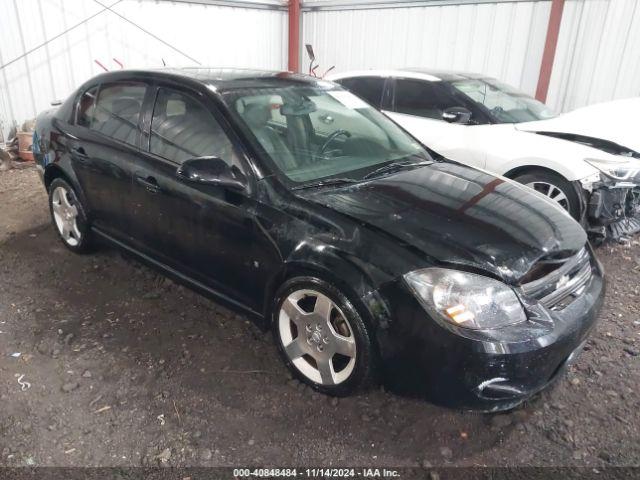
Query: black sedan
[292,200]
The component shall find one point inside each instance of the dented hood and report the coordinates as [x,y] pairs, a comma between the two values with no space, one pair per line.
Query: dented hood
[615,121]
[457,215]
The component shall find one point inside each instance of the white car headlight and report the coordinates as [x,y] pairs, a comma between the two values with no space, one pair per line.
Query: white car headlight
[617,170]
[466,299]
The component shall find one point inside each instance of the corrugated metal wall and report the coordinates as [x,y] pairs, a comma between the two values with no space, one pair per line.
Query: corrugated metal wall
[210,34]
[598,55]
[503,39]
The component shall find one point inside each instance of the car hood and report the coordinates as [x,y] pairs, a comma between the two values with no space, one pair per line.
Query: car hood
[615,121]
[457,215]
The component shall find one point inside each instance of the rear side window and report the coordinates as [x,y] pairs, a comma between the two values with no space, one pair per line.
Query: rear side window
[368,88]
[183,128]
[422,98]
[86,107]
[117,111]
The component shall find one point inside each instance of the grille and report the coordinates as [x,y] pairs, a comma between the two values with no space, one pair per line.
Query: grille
[562,282]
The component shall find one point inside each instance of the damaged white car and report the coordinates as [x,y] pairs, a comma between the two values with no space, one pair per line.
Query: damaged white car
[587,160]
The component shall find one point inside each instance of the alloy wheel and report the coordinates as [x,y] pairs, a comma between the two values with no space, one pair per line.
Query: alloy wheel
[551,191]
[65,214]
[317,337]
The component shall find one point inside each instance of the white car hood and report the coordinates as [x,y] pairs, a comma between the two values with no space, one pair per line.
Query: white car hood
[616,121]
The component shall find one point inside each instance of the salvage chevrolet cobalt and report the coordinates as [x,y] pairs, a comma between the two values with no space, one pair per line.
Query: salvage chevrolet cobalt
[290,199]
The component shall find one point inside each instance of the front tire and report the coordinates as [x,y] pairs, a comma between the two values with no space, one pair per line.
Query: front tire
[68,216]
[322,338]
[555,187]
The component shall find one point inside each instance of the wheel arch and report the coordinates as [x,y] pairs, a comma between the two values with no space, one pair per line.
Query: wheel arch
[347,277]
[53,171]
[523,169]
[577,187]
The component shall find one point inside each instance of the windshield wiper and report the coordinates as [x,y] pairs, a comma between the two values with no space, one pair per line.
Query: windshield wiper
[396,166]
[325,183]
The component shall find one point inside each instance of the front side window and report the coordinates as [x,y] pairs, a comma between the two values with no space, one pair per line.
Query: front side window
[183,128]
[368,88]
[504,103]
[313,132]
[117,111]
[422,98]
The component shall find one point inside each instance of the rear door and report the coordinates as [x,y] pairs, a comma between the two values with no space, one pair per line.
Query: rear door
[103,152]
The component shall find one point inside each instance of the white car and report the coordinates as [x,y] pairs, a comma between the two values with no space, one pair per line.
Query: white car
[587,160]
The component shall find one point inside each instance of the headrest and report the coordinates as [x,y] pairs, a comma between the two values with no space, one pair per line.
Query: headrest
[126,107]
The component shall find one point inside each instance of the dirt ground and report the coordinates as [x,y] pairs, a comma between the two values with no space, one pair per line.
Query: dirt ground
[120,367]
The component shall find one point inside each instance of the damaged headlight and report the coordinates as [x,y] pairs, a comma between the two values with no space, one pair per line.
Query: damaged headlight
[466,299]
[616,170]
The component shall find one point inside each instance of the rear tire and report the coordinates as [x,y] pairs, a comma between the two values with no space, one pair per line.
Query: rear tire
[322,338]
[555,187]
[68,216]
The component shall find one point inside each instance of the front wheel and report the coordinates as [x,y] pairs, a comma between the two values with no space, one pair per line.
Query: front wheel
[556,188]
[68,216]
[322,338]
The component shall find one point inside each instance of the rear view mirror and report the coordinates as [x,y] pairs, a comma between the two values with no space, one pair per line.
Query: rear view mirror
[297,109]
[457,115]
[212,171]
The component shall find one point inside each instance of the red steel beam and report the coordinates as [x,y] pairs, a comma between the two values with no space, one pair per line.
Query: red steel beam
[294,35]
[553,29]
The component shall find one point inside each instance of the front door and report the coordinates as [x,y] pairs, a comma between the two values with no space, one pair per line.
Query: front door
[206,232]
[418,106]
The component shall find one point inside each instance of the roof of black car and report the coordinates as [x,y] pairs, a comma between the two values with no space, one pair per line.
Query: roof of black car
[225,75]
[221,78]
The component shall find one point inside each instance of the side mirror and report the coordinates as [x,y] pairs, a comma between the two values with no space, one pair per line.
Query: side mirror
[457,115]
[212,171]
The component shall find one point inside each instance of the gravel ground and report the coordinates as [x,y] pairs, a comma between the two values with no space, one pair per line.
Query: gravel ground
[126,368]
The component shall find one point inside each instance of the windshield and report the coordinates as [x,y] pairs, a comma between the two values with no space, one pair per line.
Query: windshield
[505,103]
[318,132]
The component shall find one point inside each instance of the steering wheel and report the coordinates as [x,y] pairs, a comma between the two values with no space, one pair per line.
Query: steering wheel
[330,139]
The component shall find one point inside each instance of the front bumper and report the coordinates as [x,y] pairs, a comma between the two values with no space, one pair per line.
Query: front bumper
[488,371]
[611,209]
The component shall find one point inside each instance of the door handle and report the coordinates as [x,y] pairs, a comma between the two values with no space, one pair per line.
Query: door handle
[149,183]
[79,153]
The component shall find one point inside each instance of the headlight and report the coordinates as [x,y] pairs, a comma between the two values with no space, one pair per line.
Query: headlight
[466,299]
[614,169]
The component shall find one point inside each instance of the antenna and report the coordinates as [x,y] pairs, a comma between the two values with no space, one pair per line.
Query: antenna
[312,67]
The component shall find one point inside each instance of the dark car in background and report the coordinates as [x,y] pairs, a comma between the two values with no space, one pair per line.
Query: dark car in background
[295,202]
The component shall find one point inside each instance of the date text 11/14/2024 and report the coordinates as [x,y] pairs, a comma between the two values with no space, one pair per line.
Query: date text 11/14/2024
[316,472]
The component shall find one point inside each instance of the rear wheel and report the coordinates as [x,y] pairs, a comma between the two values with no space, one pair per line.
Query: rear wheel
[555,187]
[321,337]
[68,216]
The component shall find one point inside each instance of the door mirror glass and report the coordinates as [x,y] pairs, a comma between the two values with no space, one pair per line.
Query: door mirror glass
[212,171]
[457,115]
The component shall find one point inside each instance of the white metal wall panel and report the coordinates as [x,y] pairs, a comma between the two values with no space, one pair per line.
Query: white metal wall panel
[210,34]
[504,39]
[598,54]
